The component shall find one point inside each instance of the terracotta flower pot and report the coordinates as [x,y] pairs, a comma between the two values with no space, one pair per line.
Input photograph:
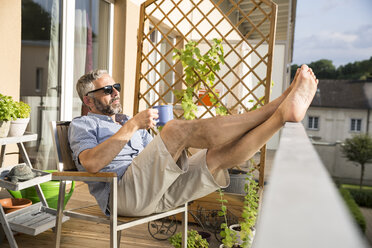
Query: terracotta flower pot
[13,204]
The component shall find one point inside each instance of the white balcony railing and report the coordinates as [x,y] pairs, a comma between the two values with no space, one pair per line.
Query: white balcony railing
[301,205]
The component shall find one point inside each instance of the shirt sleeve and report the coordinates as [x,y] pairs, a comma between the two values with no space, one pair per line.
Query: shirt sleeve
[82,135]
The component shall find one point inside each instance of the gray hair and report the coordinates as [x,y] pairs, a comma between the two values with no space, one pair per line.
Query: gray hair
[85,82]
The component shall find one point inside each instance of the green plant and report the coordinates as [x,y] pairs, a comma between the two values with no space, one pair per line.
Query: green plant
[249,215]
[22,110]
[194,240]
[358,149]
[354,208]
[7,108]
[228,235]
[199,68]
[362,197]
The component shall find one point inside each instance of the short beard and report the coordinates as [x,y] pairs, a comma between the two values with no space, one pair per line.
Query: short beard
[109,109]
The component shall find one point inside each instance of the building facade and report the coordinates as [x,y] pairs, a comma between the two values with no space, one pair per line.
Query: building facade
[340,109]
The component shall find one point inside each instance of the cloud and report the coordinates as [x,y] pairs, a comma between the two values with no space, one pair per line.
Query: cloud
[340,47]
[364,37]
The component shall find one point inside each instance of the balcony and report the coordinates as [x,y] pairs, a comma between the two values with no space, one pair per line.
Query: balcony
[301,208]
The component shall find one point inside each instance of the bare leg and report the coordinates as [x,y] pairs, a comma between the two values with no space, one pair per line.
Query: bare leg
[292,109]
[217,131]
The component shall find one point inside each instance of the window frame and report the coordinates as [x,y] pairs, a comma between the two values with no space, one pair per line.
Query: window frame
[354,128]
[312,123]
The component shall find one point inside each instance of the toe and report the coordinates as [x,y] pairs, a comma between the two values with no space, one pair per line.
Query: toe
[304,67]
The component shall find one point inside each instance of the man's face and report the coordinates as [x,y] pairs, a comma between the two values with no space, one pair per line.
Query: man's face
[107,104]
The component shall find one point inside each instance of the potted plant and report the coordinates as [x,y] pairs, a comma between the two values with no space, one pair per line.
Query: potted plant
[194,240]
[7,113]
[199,69]
[22,117]
[241,235]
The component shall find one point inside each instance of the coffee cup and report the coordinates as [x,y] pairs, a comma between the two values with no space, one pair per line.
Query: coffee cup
[165,113]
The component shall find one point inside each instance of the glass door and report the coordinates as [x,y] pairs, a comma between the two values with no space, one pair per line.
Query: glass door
[40,73]
[61,41]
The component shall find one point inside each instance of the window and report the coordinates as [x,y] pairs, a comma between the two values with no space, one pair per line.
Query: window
[356,125]
[313,123]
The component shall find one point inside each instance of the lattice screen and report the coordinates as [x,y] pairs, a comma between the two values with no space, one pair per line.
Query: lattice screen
[247,30]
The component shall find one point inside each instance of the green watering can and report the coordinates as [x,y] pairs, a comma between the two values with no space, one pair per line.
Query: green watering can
[50,190]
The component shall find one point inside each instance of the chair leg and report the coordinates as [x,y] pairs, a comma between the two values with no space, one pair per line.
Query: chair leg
[61,199]
[184,227]
[114,215]
[119,238]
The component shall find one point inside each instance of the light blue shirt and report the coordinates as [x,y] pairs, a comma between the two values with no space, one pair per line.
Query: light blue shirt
[86,132]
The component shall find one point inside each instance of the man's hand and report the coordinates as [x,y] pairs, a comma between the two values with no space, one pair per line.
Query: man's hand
[145,119]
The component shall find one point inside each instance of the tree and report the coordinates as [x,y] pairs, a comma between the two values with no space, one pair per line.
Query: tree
[293,70]
[358,149]
[324,69]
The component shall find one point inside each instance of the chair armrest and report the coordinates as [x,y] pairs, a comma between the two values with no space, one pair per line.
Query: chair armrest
[84,176]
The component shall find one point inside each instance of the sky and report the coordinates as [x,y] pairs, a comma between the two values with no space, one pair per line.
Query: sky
[337,30]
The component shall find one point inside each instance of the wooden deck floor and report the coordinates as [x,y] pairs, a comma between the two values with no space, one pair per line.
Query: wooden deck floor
[85,234]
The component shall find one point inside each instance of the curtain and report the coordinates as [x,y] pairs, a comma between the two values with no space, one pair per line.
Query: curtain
[83,57]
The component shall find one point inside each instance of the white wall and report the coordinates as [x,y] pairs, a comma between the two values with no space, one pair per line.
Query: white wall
[334,124]
[340,168]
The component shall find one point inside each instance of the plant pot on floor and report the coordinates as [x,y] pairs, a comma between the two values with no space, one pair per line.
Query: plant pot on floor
[18,127]
[205,235]
[236,228]
[223,246]
[4,128]
[237,182]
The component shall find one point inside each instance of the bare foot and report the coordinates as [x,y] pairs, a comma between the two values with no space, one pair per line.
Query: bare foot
[294,107]
[294,81]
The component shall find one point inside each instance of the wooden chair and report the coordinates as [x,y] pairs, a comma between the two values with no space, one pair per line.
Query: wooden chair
[68,171]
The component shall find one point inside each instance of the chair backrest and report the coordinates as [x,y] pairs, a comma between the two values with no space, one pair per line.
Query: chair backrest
[63,153]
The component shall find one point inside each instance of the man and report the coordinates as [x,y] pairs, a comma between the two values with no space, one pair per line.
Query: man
[154,174]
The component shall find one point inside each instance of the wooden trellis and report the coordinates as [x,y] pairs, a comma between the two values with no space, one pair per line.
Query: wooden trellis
[247,31]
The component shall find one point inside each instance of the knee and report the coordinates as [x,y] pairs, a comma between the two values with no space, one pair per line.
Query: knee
[213,159]
[172,130]
[171,126]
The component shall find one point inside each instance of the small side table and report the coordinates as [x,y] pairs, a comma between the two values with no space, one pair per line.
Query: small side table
[36,218]
[19,141]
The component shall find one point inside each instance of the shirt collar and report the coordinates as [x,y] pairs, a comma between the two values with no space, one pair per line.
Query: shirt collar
[119,117]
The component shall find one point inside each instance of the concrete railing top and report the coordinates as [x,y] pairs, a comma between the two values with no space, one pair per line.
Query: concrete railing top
[301,205]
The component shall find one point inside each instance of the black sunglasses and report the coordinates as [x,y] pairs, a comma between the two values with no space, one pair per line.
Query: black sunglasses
[107,89]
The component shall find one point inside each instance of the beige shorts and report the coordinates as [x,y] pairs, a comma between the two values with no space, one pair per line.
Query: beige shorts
[154,182]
